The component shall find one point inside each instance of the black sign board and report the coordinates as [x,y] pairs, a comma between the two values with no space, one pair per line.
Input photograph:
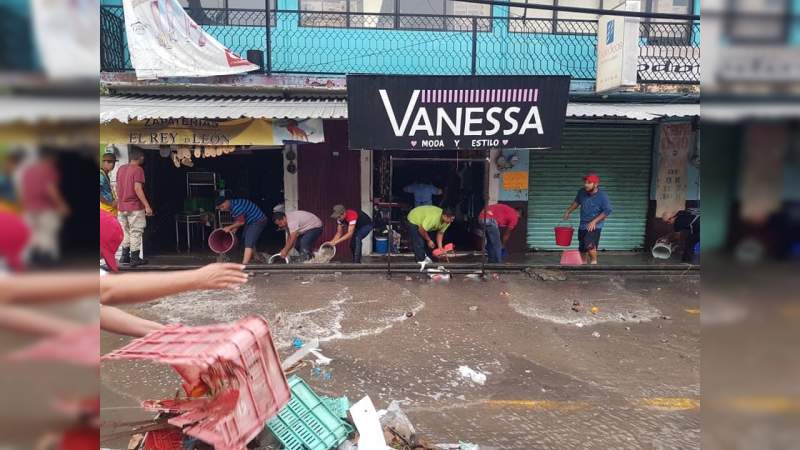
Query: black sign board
[388,112]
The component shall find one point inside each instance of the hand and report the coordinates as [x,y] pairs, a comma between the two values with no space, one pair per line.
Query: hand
[221,276]
[148,211]
[591,225]
[283,253]
[565,217]
[431,244]
[228,229]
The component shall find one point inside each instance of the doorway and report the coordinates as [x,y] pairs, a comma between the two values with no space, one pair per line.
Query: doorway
[461,186]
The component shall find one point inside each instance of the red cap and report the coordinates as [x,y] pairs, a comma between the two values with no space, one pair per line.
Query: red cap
[14,235]
[110,237]
[592,178]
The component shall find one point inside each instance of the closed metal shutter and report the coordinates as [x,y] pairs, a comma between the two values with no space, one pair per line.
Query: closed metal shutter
[621,155]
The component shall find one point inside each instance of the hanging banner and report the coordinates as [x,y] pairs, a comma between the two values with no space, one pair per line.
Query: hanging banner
[67,37]
[212,132]
[165,42]
[674,143]
[388,112]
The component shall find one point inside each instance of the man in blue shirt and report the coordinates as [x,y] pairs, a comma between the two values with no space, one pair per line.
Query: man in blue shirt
[423,192]
[248,215]
[595,207]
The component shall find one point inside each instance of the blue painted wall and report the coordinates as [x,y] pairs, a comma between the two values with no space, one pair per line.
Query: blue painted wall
[393,51]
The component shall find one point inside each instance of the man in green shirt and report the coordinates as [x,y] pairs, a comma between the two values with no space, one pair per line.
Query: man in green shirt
[421,221]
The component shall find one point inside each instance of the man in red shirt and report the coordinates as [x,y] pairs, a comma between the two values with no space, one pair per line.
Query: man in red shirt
[492,218]
[353,225]
[133,207]
[44,207]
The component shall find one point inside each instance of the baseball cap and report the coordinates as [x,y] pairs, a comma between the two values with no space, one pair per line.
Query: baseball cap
[219,200]
[592,177]
[338,210]
[14,235]
[110,239]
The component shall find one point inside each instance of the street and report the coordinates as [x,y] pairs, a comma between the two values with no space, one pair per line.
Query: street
[624,374]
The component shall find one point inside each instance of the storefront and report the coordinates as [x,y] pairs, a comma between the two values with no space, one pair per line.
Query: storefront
[622,145]
[443,132]
[225,146]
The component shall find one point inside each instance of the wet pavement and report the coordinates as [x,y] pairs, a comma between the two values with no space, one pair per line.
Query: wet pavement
[623,376]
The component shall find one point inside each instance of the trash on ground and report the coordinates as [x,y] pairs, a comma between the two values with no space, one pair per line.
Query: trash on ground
[666,317]
[473,308]
[475,376]
[396,420]
[595,310]
[232,378]
[459,446]
[321,360]
[370,432]
[596,334]
[410,314]
[297,343]
[408,278]
[301,353]
[439,274]
[306,422]
[579,324]
[576,306]
[545,275]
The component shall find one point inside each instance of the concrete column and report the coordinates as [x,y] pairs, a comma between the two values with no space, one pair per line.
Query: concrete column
[366,194]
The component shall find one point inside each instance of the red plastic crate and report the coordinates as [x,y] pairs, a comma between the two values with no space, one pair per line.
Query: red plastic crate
[239,361]
[167,439]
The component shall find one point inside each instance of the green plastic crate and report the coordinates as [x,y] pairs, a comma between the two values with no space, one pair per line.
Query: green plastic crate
[339,405]
[306,422]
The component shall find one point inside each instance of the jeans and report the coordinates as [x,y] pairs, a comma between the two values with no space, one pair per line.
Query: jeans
[253,231]
[355,241]
[417,242]
[494,245]
[306,240]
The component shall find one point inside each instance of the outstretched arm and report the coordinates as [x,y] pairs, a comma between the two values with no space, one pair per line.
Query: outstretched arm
[143,287]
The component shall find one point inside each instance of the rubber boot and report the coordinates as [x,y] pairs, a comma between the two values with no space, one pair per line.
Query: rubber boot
[136,260]
[126,256]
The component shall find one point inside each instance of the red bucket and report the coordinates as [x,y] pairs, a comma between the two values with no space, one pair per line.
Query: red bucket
[220,241]
[564,236]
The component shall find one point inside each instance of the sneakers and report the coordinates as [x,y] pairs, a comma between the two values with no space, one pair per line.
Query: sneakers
[424,263]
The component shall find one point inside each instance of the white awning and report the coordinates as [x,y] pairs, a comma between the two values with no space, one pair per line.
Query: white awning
[633,111]
[137,107]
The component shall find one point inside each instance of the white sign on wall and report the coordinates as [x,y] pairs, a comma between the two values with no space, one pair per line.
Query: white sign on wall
[165,42]
[617,49]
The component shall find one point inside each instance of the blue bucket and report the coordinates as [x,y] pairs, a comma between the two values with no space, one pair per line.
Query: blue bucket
[381,245]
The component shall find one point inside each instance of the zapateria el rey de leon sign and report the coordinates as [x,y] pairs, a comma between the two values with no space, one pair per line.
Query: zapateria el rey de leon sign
[455,112]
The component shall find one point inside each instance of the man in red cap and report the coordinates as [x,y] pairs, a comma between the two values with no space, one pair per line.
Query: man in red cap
[111,236]
[595,207]
[14,237]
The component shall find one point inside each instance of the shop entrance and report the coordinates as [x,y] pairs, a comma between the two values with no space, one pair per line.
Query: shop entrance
[252,173]
[460,184]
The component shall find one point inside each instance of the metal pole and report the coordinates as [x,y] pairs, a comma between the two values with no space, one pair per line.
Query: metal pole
[390,236]
[474,44]
[268,50]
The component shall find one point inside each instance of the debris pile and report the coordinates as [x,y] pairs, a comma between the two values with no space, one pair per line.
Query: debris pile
[232,379]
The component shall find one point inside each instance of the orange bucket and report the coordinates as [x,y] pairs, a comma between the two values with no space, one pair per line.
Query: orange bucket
[564,235]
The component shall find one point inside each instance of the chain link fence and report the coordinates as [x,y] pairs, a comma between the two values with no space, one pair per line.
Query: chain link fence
[315,42]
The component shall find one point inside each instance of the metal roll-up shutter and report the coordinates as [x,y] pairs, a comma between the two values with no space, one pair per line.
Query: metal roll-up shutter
[621,155]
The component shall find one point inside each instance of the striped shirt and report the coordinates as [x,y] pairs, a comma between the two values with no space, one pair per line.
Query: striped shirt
[246,208]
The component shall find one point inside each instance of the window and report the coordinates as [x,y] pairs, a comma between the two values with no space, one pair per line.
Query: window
[668,31]
[229,12]
[529,20]
[746,27]
[406,14]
